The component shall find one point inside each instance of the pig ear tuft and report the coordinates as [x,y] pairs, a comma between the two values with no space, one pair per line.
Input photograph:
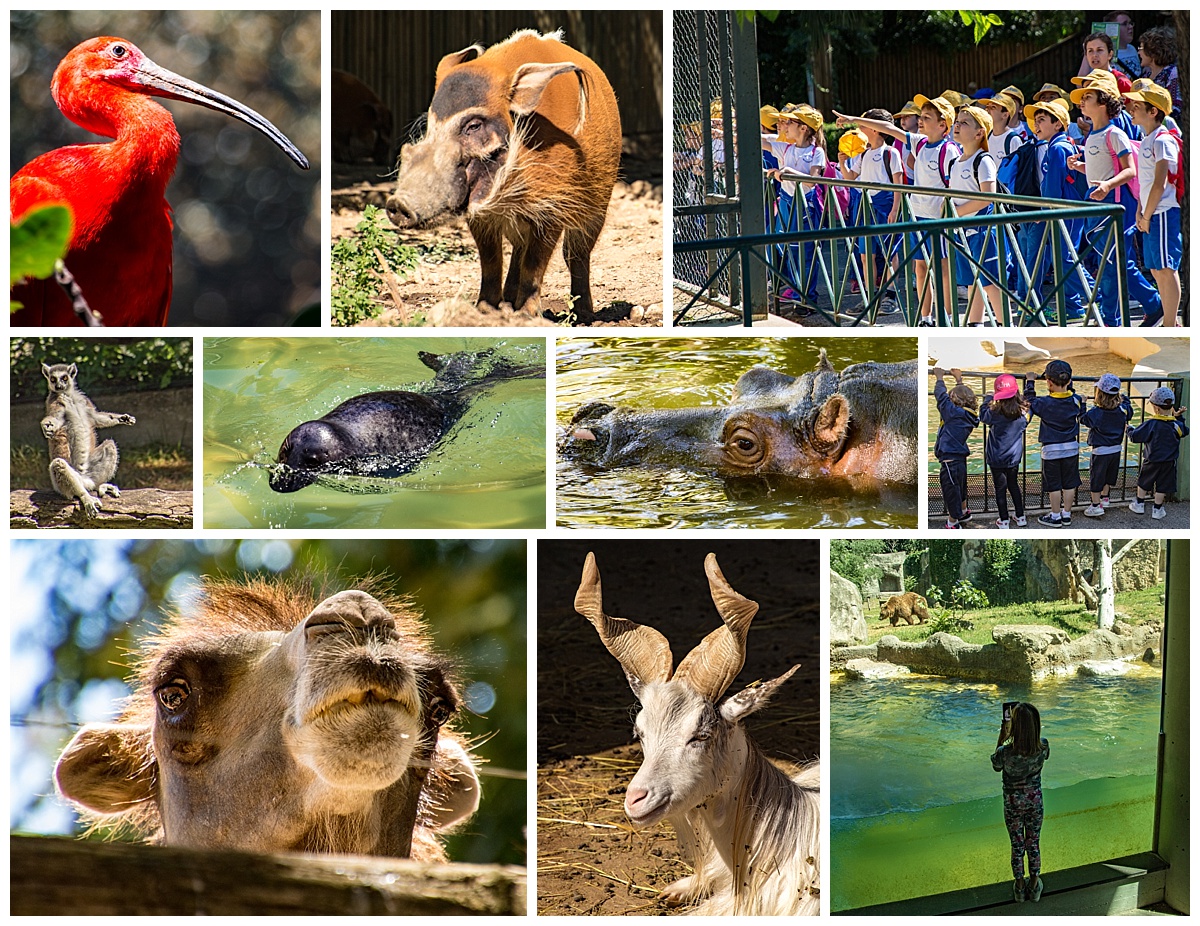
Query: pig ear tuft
[832,424]
[531,80]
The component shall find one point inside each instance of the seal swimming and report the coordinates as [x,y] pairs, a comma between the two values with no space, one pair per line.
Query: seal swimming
[387,434]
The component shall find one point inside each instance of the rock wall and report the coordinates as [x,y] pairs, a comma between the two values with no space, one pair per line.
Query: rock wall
[1047,579]
[847,625]
[1017,653]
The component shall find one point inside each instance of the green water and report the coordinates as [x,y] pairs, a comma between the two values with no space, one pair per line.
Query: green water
[689,372]
[489,472]
[915,804]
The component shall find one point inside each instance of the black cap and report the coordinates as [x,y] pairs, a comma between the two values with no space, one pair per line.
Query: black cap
[1058,370]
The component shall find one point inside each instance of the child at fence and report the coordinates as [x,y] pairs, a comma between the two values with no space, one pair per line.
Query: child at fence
[1106,421]
[1007,417]
[1005,139]
[880,163]
[1058,433]
[1160,434]
[1159,180]
[1021,751]
[907,120]
[1049,120]
[956,407]
[932,152]
[803,153]
[1107,162]
[975,172]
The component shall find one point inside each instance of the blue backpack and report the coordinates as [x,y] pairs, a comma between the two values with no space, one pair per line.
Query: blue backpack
[1018,174]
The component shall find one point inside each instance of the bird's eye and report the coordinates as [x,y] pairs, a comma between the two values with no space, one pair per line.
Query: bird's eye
[119,51]
[173,695]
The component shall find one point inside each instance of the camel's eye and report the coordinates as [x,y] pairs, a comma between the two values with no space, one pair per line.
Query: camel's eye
[173,695]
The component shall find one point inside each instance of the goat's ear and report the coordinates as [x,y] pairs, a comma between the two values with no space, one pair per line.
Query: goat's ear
[458,785]
[751,698]
[107,768]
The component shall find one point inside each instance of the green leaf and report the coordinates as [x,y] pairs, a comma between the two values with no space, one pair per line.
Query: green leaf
[37,242]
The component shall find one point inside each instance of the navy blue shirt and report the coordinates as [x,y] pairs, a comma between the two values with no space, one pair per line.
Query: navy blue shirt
[1005,445]
[1059,414]
[1160,437]
[1106,426]
[957,425]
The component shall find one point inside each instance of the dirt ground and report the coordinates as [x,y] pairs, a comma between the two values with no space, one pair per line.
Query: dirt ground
[627,268]
[590,860]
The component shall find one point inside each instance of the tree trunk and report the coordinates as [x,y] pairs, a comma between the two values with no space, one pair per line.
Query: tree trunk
[1106,612]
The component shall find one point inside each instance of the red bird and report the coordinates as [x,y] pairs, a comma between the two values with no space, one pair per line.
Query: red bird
[120,249]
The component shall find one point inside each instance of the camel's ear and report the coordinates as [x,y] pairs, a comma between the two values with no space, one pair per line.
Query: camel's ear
[751,698]
[458,791]
[107,768]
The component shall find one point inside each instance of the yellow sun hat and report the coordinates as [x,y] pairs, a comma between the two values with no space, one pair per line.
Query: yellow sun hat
[852,143]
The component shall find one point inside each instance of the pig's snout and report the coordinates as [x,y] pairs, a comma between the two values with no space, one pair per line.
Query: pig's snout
[401,213]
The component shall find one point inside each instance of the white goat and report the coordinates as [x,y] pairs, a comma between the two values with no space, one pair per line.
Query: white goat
[751,833]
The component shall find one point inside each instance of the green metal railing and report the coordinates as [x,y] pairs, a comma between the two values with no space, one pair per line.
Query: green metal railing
[836,263]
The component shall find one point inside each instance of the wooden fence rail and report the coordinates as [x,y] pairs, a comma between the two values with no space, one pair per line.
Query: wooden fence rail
[49,876]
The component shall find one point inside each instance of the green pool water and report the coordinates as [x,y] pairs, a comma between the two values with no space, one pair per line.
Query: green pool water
[655,372]
[915,804]
[488,472]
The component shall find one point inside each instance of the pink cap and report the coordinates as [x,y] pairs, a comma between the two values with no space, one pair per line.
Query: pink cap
[1006,386]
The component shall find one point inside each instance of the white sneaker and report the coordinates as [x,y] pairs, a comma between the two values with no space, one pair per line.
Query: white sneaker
[1022,522]
[1104,501]
[1093,511]
[1137,506]
[1159,512]
[1003,525]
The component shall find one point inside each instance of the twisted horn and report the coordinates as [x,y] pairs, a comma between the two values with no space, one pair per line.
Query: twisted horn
[713,665]
[642,651]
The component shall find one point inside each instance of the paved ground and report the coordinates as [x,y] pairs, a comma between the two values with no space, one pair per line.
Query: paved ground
[1117,518]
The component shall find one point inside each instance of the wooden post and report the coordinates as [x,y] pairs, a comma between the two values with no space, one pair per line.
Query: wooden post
[50,875]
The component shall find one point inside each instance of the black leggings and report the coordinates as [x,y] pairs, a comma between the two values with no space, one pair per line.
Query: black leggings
[1006,479]
[953,477]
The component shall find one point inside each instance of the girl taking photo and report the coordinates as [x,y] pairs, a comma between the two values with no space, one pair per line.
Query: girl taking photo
[1020,753]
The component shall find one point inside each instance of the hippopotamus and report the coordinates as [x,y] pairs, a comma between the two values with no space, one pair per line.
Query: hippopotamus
[859,425]
[387,434]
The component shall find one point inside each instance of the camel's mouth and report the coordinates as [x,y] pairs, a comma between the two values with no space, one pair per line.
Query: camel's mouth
[349,701]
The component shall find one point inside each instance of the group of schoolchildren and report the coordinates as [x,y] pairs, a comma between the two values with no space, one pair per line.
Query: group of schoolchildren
[1131,155]
[1061,411]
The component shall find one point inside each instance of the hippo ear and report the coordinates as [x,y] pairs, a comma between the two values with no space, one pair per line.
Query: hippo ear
[530,81]
[454,59]
[832,424]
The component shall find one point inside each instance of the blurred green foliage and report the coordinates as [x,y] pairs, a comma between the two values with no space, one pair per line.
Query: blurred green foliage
[86,604]
[37,243]
[105,365]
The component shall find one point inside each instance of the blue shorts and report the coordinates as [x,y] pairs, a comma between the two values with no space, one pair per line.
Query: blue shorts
[883,245]
[1162,246]
[982,246]
[921,243]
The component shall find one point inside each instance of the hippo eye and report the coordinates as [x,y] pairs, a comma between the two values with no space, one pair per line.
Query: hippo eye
[173,695]
[744,444]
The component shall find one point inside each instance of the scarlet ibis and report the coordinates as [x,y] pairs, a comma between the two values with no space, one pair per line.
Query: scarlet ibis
[120,249]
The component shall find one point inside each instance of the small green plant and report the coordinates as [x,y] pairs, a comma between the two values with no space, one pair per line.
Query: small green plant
[963,597]
[357,260]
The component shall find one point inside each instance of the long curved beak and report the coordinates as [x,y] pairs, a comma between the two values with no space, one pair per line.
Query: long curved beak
[158,81]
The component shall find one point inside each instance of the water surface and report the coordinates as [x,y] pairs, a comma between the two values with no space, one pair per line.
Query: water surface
[691,372]
[915,805]
[488,472]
